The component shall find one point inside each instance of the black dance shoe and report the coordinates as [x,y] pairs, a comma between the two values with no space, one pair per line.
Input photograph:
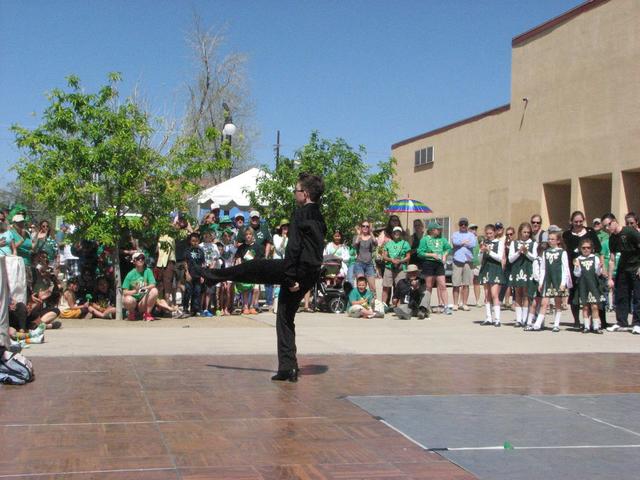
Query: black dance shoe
[284,375]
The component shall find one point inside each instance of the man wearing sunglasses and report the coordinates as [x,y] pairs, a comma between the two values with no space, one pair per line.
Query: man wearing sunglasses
[538,235]
[626,241]
[631,220]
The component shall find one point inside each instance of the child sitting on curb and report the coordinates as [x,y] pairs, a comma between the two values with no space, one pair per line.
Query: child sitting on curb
[361,301]
[70,307]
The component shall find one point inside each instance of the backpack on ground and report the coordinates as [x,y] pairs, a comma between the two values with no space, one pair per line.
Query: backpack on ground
[15,369]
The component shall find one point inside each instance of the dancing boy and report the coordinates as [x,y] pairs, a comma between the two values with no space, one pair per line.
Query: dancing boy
[296,273]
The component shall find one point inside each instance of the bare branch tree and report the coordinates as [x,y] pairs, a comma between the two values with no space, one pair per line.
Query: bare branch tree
[219,78]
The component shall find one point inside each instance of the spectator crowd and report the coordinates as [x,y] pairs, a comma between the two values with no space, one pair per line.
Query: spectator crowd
[584,269]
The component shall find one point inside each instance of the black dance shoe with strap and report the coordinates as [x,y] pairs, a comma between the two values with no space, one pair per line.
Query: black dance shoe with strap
[284,375]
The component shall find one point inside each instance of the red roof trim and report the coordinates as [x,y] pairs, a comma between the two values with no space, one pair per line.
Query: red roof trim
[494,111]
[574,12]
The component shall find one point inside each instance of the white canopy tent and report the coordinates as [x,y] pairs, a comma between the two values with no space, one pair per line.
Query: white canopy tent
[230,194]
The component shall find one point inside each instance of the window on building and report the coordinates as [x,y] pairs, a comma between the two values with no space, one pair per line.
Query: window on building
[423,156]
[444,221]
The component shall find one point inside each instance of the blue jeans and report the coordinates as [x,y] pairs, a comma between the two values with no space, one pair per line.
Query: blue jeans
[193,296]
[361,269]
[268,295]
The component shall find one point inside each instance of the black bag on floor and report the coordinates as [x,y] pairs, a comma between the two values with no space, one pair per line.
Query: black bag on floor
[15,369]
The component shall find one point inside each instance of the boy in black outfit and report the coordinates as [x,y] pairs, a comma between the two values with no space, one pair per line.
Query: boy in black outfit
[194,256]
[296,274]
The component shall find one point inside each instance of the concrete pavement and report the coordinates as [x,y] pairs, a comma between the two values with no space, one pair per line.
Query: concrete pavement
[324,333]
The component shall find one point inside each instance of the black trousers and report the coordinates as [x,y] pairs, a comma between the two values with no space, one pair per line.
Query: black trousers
[627,294]
[18,317]
[271,272]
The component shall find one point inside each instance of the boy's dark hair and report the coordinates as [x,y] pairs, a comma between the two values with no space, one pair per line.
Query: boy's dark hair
[361,279]
[194,234]
[312,184]
[608,216]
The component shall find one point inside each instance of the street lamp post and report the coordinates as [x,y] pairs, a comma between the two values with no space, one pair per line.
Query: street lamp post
[228,130]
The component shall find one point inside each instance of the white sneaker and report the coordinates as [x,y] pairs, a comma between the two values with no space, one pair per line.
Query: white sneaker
[37,339]
[613,328]
[488,321]
[636,330]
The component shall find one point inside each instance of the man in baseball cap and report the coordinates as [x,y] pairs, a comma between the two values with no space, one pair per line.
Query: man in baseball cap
[410,296]
[262,235]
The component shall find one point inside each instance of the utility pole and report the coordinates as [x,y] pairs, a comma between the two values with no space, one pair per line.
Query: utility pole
[277,148]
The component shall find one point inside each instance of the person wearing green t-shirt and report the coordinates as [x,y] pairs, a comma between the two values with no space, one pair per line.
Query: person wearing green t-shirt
[139,290]
[361,301]
[433,250]
[395,253]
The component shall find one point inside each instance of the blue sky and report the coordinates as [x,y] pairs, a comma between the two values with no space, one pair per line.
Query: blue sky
[373,72]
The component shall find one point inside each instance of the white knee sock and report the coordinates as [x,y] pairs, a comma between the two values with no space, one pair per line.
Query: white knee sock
[556,318]
[530,316]
[487,307]
[496,313]
[587,322]
[539,322]
[518,315]
[596,323]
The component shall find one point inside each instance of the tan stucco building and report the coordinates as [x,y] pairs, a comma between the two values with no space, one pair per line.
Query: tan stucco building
[568,140]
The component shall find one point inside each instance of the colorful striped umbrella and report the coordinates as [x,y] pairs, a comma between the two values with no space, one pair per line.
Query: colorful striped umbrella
[407,205]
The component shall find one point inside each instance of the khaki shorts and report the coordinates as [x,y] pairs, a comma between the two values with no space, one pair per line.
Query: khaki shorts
[462,274]
[390,277]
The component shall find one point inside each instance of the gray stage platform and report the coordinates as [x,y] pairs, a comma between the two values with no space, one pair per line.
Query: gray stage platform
[569,437]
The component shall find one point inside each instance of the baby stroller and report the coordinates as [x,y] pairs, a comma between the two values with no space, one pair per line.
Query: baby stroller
[331,291]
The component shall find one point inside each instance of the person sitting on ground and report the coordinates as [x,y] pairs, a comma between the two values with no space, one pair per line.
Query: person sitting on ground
[42,307]
[139,290]
[87,282]
[410,296]
[71,306]
[103,300]
[25,338]
[361,301]
[42,273]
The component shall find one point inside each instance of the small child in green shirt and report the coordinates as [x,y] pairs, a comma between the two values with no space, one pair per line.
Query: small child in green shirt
[361,301]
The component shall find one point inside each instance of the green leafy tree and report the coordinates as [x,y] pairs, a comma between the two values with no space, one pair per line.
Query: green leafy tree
[352,193]
[91,160]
